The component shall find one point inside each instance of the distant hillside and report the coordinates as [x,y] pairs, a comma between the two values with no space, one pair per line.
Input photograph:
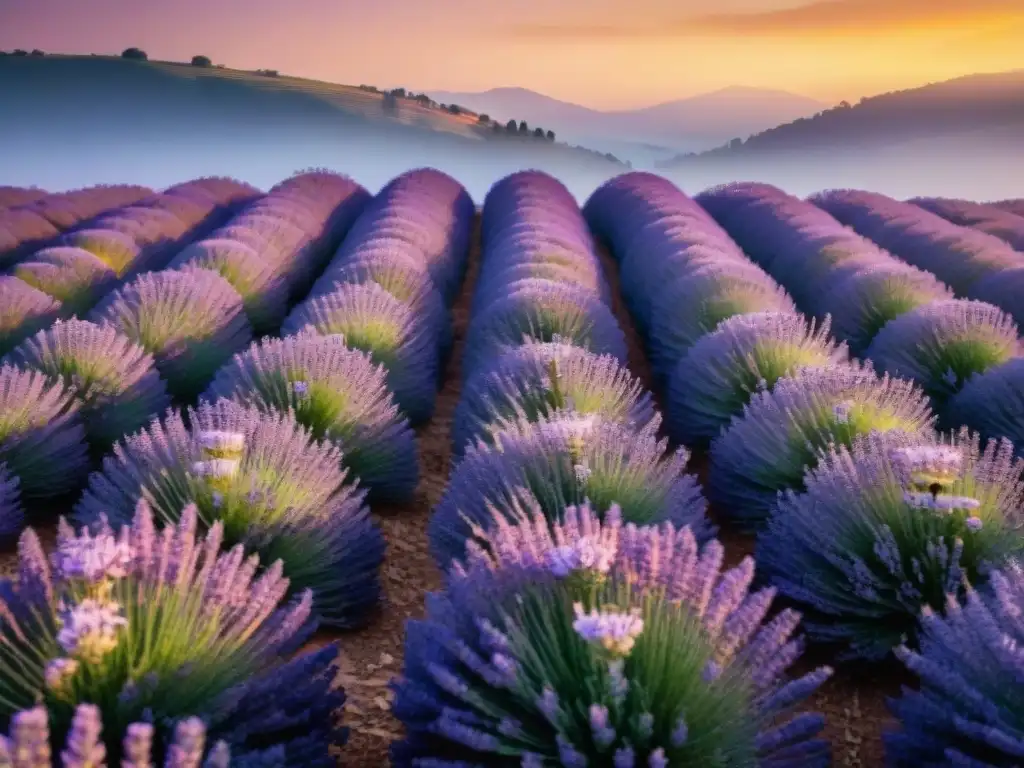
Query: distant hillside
[695,123]
[968,108]
[77,107]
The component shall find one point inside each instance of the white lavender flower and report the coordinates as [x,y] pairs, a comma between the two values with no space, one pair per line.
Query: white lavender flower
[929,464]
[584,553]
[582,472]
[842,412]
[220,469]
[614,631]
[58,672]
[90,629]
[214,441]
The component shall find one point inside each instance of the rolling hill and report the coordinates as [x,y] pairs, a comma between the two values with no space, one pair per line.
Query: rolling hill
[156,122]
[967,109]
[690,124]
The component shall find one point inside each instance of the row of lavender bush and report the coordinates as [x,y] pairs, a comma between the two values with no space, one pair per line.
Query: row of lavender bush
[12,196]
[195,618]
[584,619]
[867,517]
[30,223]
[965,354]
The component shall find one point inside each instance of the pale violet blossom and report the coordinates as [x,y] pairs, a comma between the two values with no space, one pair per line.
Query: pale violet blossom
[585,553]
[929,463]
[614,631]
[582,472]
[842,411]
[92,558]
[300,388]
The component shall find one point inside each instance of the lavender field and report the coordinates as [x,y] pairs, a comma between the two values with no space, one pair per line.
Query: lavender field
[313,476]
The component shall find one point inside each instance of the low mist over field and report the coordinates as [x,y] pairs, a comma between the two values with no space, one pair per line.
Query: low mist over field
[70,121]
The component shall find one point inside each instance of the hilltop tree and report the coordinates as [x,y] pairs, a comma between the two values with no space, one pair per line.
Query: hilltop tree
[550,135]
[523,127]
[538,133]
[512,126]
[201,61]
[135,54]
[19,52]
[37,52]
[398,92]
[483,119]
[455,109]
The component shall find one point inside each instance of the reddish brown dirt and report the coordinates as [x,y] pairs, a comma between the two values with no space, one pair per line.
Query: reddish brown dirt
[853,701]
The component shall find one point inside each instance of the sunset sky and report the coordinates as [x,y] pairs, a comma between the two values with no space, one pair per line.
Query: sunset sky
[601,53]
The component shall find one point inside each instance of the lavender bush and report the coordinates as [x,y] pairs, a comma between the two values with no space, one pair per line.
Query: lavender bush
[862,303]
[112,377]
[339,394]
[745,354]
[408,284]
[598,643]
[778,437]
[943,344]
[889,526]
[969,709]
[1004,289]
[539,312]
[264,293]
[272,488]
[537,379]
[373,320]
[23,311]
[561,461]
[191,321]
[152,629]
[42,438]
[993,403]
[115,249]
[73,276]
[696,303]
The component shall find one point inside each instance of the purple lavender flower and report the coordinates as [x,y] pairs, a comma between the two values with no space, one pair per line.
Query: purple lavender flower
[943,344]
[373,320]
[223,635]
[534,464]
[993,403]
[42,438]
[720,373]
[339,394]
[778,437]
[969,708]
[519,385]
[264,293]
[190,320]
[661,589]
[862,555]
[113,378]
[286,498]
[23,311]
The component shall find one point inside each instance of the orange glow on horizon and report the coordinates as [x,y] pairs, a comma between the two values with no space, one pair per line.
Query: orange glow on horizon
[584,51]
